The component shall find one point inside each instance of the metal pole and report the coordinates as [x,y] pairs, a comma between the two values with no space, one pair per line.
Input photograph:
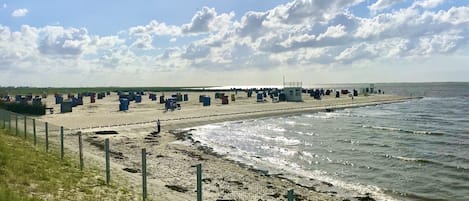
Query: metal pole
[199,182]
[80,148]
[34,131]
[144,174]
[108,165]
[47,136]
[61,142]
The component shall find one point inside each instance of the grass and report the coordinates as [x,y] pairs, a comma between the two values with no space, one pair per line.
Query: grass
[31,174]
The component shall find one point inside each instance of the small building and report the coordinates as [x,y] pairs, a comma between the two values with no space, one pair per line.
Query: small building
[292,91]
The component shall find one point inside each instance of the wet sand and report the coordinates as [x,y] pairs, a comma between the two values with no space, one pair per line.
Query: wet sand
[172,154]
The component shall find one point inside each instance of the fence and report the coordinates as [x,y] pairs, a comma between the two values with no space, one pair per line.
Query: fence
[56,137]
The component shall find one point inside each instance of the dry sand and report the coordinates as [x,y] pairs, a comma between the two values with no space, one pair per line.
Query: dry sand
[170,160]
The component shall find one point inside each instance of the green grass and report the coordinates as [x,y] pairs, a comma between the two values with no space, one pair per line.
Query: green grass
[27,173]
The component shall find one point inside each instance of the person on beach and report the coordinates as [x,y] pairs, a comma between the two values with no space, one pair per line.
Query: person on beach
[158,126]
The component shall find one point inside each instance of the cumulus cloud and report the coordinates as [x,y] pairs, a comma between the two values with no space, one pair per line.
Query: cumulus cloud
[64,42]
[383,4]
[299,33]
[207,20]
[155,28]
[144,41]
[18,12]
[201,21]
[427,3]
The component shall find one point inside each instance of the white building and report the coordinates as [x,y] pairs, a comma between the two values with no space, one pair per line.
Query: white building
[292,91]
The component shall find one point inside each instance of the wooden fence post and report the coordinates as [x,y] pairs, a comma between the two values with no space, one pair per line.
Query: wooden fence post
[25,121]
[80,149]
[16,124]
[144,174]
[4,118]
[291,195]
[199,182]
[108,165]
[9,121]
[34,131]
[47,136]
[61,142]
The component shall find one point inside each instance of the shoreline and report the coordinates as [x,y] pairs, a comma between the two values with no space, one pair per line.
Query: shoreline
[185,135]
[170,160]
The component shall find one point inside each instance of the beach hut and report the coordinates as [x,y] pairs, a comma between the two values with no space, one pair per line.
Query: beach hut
[124,104]
[206,101]
[293,94]
[58,99]
[260,96]
[224,100]
[80,100]
[138,98]
[162,100]
[66,106]
[171,103]
[249,92]
[36,101]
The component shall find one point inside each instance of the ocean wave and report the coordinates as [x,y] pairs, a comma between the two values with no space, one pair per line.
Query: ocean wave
[373,144]
[403,130]
[428,161]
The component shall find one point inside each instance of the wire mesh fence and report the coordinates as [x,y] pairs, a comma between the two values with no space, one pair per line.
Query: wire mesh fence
[56,139]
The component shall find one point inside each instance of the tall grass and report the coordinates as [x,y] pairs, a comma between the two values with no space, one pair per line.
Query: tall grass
[27,173]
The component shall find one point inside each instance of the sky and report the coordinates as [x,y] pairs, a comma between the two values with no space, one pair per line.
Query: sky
[63,43]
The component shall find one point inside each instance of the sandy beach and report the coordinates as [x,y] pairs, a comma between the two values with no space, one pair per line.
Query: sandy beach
[172,154]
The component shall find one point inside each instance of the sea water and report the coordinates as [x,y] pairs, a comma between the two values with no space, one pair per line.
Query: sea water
[414,150]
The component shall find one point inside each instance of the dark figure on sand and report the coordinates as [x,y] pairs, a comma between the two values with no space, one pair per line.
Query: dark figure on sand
[158,126]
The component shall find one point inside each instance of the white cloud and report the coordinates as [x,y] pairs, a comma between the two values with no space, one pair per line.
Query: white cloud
[306,34]
[19,12]
[201,21]
[427,3]
[144,41]
[383,4]
[207,20]
[5,5]
[156,28]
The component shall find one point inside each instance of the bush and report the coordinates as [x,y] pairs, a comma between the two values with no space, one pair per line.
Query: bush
[24,108]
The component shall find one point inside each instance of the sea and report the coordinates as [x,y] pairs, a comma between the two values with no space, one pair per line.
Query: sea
[413,150]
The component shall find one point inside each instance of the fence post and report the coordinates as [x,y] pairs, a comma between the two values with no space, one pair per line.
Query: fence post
[4,120]
[144,174]
[47,136]
[80,149]
[61,142]
[9,121]
[291,195]
[25,120]
[199,182]
[108,165]
[34,131]
[16,124]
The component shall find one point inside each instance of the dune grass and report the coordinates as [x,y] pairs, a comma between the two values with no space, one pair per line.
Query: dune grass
[27,173]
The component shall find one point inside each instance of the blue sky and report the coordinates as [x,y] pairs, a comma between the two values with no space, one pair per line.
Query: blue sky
[230,42]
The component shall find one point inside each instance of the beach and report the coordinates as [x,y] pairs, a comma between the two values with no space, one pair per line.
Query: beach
[173,153]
